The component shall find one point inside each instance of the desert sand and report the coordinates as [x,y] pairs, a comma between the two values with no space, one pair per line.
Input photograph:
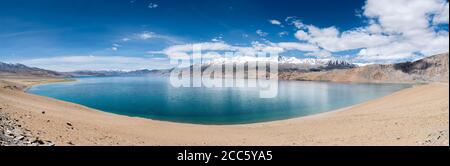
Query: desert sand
[413,116]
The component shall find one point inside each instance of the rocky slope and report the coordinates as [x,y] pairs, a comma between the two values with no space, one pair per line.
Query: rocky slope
[22,70]
[12,131]
[430,69]
[13,134]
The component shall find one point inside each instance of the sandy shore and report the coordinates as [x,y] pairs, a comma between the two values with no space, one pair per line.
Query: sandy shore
[414,116]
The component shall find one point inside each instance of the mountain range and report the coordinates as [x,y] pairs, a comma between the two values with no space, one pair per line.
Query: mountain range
[433,68]
[108,73]
[289,63]
[22,70]
[429,69]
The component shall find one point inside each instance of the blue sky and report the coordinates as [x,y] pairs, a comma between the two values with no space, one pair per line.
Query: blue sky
[41,32]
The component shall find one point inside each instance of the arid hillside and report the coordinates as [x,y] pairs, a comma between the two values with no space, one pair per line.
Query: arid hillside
[431,69]
[15,70]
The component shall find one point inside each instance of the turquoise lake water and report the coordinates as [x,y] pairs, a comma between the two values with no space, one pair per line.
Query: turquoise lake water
[155,98]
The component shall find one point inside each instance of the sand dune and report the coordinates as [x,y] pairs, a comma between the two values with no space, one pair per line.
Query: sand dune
[414,116]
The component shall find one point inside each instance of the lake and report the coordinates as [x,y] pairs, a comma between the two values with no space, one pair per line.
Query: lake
[155,98]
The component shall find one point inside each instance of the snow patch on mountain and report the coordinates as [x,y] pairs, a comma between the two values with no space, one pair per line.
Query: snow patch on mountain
[285,62]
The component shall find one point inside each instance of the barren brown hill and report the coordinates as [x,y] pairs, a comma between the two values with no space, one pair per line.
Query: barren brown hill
[431,69]
[16,70]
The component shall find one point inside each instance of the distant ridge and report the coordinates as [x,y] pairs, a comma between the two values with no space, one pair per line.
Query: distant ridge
[109,73]
[7,69]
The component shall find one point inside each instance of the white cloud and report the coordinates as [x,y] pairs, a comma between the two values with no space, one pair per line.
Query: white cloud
[298,46]
[152,5]
[146,35]
[298,24]
[404,29]
[333,40]
[442,17]
[212,48]
[125,39]
[409,23]
[284,33]
[217,39]
[205,46]
[275,22]
[374,29]
[89,62]
[115,47]
[402,16]
[292,20]
[320,54]
[185,51]
[267,47]
[302,35]
[261,33]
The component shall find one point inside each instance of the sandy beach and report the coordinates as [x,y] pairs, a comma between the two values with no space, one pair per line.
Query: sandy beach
[413,116]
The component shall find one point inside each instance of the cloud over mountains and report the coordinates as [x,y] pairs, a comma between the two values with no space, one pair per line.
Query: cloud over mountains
[402,30]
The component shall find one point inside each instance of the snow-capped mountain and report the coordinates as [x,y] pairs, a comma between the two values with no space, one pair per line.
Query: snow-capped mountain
[287,63]
[309,61]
